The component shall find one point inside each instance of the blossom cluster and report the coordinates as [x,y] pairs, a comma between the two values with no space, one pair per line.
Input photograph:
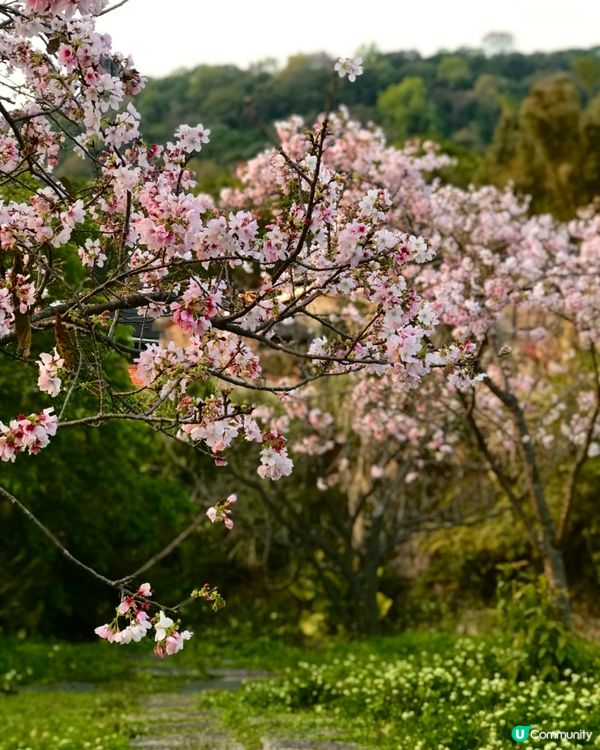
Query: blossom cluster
[274,459]
[27,434]
[222,512]
[133,609]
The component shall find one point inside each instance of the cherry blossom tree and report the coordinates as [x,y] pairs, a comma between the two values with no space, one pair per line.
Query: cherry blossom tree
[515,303]
[236,278]
[532,286]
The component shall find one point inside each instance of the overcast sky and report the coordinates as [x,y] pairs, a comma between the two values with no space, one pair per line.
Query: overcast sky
[163,35]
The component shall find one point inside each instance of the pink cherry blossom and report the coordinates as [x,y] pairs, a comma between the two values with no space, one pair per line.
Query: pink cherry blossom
[49,365]
[192,139]
[221,512]
[91,254]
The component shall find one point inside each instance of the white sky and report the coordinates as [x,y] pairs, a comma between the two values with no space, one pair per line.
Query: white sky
[163,35]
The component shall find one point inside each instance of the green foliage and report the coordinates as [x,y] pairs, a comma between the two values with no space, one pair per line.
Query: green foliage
[26,661]
[549,147]
[406,110]
[462,91]
[454,71]
[587,72]
[540,645]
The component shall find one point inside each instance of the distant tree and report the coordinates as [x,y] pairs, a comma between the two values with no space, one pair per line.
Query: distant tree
[587,72]
[406,109]
[590,134]
[541,148]
[500,157]
[488,98]
[454,71]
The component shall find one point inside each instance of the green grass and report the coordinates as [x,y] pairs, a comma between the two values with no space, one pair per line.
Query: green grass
[64,721]
[33,661]
[419,690]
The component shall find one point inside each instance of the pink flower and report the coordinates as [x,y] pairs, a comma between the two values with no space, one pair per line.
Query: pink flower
[92,254]
[66,55]
[191,139]
[274,464]
[221,511]
[145,590]
[140,626]
[38,6]
[174,642]
[75,214]
[105,631]
[162,626]
[124,606]
[49,365]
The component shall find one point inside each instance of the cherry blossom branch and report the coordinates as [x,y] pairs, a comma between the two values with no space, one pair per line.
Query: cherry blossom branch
[118,583]
[54,539]
[33,166]
[311,204]
[112,7]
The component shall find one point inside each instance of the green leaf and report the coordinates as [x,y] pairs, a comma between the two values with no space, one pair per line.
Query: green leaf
[53,45]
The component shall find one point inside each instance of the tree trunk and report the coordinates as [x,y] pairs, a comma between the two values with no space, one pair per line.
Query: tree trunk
[550,552]
[365,610]
[554,570]
[552,556]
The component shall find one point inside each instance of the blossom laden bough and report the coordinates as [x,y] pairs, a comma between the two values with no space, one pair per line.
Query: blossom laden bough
[27,434]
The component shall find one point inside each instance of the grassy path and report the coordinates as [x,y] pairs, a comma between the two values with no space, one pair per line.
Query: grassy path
[173,722]
[176,720]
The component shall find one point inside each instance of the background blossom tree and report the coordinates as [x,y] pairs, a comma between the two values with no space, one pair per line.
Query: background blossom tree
[515,294]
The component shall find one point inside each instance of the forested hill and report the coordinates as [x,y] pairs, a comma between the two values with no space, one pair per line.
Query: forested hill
[457,96]
[491,111]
